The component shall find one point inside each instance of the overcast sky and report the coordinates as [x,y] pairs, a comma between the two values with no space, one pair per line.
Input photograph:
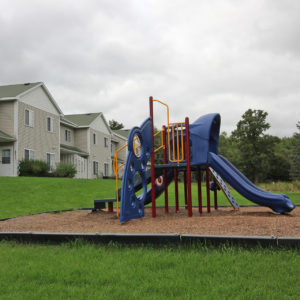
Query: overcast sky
[199,56]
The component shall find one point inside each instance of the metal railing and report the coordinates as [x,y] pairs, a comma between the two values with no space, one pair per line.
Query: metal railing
[176,130]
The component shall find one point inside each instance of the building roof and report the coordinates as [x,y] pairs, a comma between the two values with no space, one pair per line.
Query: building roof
[4,138]
[72,149]
[122,132]
[65,121]
[14,90]
[84,120]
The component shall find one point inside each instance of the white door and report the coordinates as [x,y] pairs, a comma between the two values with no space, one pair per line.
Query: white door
[6,161]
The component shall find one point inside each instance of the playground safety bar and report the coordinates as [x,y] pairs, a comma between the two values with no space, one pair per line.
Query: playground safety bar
[176,150]
[116,170]
[162,146]
[174,127]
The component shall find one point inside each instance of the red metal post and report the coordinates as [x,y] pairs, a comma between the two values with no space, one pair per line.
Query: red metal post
[199,191]
[152,161]
[215,194]
[176,190]
[185,189]
[207,190]
[165,171]
[188,166]
[110,207]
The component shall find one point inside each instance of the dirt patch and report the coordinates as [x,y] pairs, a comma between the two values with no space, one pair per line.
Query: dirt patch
[251,221]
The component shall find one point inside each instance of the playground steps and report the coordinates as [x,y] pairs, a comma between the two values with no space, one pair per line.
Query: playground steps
[101,204]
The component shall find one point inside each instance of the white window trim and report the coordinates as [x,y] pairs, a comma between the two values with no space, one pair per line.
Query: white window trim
[51,124]
[95,138]
[30,151]
[95,161]
[106,164]
[3,157]
[30,116]
[68,136]
[106,143]
[52,166]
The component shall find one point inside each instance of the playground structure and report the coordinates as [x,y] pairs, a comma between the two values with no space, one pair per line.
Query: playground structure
[186,147]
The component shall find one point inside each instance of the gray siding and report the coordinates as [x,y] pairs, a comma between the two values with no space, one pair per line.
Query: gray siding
[7,117]
[37,137]
[63,128]
[81,139]
[100,153]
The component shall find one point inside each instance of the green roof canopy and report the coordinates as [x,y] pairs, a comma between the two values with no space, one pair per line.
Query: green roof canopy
[82,119]
[72,149]
[14,90]
[122,132]
[5,138]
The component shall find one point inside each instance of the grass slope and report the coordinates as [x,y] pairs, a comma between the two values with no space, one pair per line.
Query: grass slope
[28,195]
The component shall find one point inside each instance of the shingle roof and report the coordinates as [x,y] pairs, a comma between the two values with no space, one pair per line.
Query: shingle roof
[82,119]
[67,122]
[122,132]
[72,149]
[14,90]
[5,137]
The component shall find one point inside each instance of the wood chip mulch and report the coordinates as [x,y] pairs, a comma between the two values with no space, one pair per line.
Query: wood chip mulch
[249,221]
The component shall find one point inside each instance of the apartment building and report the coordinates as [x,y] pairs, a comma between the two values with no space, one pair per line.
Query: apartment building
[32,126]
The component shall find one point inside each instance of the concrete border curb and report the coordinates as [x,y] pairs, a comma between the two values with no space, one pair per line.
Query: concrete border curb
[151,239]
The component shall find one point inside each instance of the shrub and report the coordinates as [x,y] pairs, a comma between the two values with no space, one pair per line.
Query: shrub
[65,170]
[30,167]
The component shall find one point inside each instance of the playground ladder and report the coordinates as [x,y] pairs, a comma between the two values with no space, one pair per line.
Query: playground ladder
[225,189]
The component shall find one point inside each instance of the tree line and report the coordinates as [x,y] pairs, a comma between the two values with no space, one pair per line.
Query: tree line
[260,156]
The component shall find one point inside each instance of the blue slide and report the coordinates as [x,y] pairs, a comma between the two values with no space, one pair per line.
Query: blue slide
[277,202]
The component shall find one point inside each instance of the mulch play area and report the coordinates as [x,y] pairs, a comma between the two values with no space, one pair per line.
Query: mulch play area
[248,221]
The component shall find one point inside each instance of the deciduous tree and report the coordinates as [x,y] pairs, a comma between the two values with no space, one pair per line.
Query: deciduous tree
[295,163]
[115,125]
[254,145]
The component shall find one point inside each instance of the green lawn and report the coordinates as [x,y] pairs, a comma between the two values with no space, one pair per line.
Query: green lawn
[76,271]
[28,195]
[83,271]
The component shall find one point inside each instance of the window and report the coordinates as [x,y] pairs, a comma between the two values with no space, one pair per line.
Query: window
[6,156]
[29,154]
[29,117]
[50,126]
[106,142]
[68,135]
[95,167]
[105,169]
[51,161]
[94,138]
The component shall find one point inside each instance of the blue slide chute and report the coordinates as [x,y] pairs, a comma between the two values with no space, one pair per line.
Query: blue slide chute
[277,202]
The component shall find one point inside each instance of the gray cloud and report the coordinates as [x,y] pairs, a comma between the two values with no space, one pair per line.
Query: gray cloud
[207,56]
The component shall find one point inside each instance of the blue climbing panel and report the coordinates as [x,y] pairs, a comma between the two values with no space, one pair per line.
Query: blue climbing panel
[132,206]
